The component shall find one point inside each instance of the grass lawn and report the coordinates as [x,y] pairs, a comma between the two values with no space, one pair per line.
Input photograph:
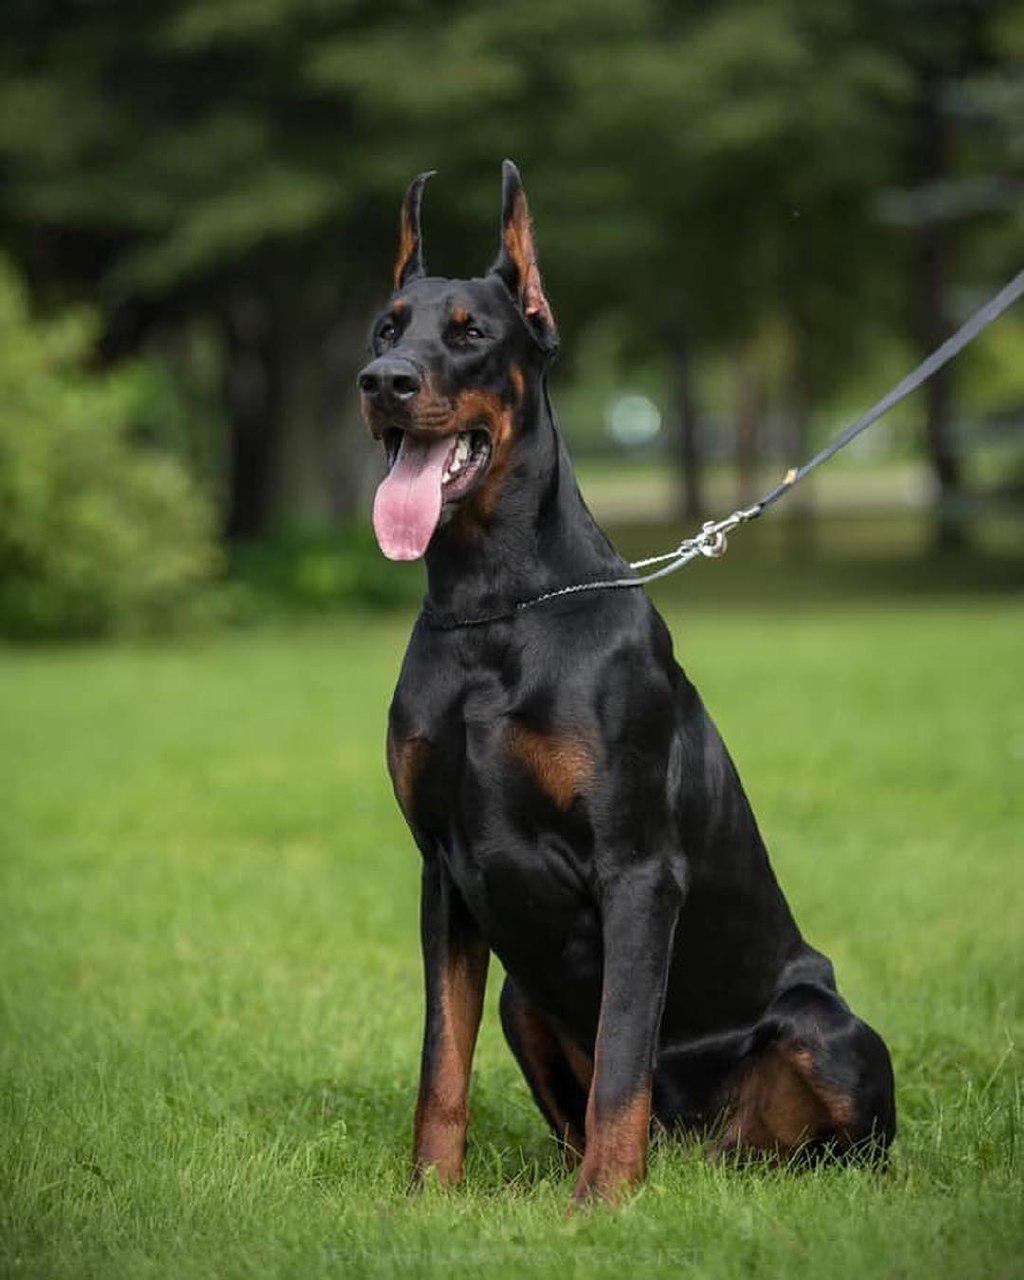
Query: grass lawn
[209,968]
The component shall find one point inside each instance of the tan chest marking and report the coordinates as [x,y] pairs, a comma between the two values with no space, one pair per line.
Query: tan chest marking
[561,764]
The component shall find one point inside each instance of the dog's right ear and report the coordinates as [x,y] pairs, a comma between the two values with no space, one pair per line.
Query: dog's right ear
[409,263]
[516,263]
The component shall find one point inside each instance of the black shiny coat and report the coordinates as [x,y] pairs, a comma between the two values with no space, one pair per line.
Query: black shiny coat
[578,815]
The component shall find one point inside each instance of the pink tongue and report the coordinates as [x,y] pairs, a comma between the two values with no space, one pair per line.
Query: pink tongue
[408,502]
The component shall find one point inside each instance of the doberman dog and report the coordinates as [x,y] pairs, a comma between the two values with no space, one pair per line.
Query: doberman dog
[575,808]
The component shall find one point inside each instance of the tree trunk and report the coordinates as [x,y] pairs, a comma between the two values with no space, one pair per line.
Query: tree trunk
[930,268]
[249,393]
[298,456]
[323,452]
[749,408]
[353,459]
[800,520]
[304,472]
[689,454]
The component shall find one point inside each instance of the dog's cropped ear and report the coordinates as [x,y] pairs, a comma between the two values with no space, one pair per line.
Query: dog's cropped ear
[409,263]
[516,263]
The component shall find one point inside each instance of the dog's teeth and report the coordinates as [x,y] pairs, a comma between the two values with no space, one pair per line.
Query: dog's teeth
[461,454]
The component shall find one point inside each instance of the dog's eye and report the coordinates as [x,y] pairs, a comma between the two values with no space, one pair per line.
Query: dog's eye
[387,332]
[462,332]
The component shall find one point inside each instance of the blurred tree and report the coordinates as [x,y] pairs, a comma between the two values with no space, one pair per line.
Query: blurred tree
[181,163]
[959,125]
[224,179]
[749,135]
[99,532]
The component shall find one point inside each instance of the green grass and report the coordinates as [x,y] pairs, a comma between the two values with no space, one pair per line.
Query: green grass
[209,970]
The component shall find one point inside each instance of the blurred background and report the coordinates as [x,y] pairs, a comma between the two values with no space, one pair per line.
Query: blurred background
[753,219]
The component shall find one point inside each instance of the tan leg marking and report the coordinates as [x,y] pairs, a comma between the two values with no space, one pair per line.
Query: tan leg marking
[442,1109]
[616,1156]
[580,1064]
[541,1045]
[780,1105]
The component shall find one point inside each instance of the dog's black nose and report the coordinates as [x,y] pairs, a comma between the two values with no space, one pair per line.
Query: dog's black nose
[390,378]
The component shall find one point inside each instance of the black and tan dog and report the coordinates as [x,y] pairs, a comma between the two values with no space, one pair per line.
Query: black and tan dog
[575,808]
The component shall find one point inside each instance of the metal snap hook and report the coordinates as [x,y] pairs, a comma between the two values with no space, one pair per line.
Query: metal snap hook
[713,542]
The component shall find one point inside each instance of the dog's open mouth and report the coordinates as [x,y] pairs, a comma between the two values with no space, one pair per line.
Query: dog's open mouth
[424,475]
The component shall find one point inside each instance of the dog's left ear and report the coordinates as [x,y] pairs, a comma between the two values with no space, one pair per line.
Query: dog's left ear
[516,263]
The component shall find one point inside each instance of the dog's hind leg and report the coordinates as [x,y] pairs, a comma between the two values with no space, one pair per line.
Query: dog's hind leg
[817,1083]
[557,1072]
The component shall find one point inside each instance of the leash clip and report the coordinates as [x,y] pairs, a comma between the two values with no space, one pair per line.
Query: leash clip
[713,542]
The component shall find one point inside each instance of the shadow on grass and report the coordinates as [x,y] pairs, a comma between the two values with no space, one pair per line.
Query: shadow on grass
[358,1131]
[361,1127]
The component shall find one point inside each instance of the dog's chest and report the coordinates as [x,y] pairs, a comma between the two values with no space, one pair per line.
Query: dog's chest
[482,752]
[501,795]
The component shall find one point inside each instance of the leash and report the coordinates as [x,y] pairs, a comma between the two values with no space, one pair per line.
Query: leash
[712,540]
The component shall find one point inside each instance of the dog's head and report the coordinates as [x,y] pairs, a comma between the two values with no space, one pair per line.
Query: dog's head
[454,363]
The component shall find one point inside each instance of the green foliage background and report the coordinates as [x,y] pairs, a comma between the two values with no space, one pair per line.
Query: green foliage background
[756,213]
[98,534]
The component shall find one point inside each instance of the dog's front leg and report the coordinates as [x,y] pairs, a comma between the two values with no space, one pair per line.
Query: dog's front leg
[639,913]
[455,969]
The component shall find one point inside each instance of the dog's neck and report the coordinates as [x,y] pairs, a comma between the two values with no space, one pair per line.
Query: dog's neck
[540,536]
